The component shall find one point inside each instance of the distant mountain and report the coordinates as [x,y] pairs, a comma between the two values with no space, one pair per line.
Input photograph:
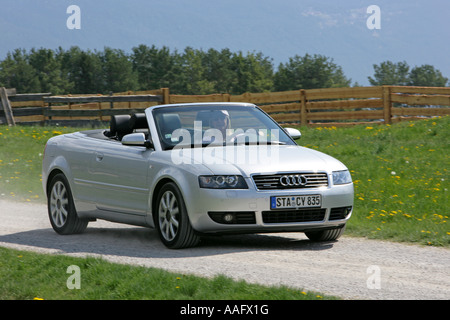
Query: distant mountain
[414,31]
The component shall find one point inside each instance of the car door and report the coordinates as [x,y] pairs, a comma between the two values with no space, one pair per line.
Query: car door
[121,177]
[79,152]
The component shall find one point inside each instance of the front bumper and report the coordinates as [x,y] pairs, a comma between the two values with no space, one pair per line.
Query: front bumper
[245,211]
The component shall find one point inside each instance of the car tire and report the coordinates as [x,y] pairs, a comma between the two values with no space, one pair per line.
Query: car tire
[61,209]
[172,221]
[326,235]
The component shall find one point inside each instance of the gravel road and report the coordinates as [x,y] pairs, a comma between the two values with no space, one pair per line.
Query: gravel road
[349,268]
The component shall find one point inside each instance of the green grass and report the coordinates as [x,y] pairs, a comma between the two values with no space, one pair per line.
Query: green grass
[400,173]
[27,276]
[21,151]
[401,180]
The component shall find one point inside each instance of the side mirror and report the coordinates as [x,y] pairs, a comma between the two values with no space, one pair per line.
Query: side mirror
[294,133]
[136,140]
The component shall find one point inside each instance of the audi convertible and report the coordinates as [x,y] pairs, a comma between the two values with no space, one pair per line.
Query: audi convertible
[191,170]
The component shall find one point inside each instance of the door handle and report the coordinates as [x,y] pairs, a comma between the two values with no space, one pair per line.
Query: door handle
[98,156]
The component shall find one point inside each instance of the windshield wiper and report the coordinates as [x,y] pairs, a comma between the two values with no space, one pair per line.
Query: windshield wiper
[258,143]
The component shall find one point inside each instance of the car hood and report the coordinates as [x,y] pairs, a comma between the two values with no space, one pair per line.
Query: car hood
[247,160]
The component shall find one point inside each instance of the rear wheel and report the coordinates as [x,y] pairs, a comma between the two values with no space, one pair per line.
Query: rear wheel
[326,235]
[172,221]
[61,210]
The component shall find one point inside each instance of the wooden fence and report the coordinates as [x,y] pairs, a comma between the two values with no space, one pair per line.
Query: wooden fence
[313,107]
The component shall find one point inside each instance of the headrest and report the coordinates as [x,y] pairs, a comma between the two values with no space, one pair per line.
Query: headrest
[119,126]
[170,122]
[138,121]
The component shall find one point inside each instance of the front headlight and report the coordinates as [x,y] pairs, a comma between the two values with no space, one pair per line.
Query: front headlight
[342,177]
[222,182]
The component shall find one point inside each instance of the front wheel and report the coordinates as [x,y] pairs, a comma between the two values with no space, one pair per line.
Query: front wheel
[172,221]
[326,235]
[61,209]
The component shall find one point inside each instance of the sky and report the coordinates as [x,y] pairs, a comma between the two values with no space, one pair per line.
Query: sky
[349,32]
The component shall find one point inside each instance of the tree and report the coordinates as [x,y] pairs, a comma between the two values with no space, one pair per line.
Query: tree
[389,73]
[83,69]
[427,76]
[192,79]
[155,68]
[254,73]
[309,72]
[398,74]
[16,72]
[218,70]
[48,71]
[117,71]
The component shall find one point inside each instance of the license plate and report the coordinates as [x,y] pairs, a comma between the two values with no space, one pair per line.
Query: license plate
[292,202]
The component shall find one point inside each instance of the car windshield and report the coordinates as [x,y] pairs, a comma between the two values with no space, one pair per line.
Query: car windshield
[215,125]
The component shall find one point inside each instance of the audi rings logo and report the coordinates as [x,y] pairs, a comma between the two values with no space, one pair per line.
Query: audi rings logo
[293,180]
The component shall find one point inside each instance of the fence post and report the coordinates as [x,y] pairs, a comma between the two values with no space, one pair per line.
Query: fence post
[4,101]
[387,104]
[226,97]
[43,111]
[303,120]
[49,109]
[165,95]
[111,104]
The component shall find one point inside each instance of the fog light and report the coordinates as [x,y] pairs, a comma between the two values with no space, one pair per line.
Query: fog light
[228,218]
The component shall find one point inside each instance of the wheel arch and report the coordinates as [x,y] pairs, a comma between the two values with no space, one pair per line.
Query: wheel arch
[170,175]
[56,165]
[50,177]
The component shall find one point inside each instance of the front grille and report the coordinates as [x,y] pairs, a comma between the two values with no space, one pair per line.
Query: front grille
[303,215]
[270,182]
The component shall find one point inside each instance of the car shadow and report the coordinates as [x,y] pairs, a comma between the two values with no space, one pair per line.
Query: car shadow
[267,241]
[139,242]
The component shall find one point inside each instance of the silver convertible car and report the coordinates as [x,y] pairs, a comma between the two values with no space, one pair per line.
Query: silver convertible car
[196,169]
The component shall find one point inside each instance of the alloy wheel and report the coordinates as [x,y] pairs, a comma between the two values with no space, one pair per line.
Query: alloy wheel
[168,212]
[59,204]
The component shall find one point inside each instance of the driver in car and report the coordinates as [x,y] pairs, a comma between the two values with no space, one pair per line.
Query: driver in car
[219,122]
